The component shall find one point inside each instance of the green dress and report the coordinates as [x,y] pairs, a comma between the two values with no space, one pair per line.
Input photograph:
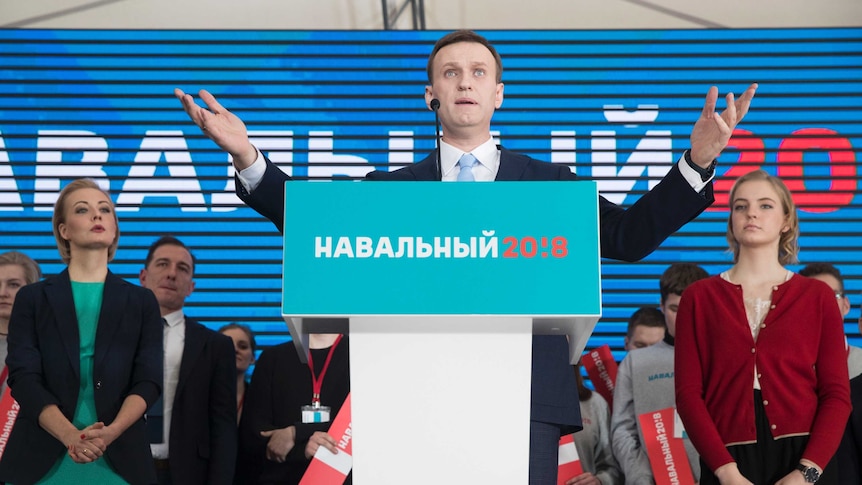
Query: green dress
[88,305]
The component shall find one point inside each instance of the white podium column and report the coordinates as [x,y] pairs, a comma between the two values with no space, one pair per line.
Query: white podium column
[440,399]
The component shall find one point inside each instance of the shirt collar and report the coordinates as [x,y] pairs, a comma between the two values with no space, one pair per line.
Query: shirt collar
[487,154]
[175,318]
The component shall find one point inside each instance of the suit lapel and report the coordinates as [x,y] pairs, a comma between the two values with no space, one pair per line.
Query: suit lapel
[58,292]
[114,299]
[427,168]
[512,166]
[192,348]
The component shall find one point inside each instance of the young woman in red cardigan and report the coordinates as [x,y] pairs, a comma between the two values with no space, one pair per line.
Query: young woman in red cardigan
[760,365]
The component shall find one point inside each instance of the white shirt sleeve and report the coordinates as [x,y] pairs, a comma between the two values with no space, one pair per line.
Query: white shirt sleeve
[252,175]
[691,176]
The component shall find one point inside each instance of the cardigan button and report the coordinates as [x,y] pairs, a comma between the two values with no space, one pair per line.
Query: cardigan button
[762,325]
[772,307]
[774,288]
[765,402]
[773,426]
[98,385]
[753,350]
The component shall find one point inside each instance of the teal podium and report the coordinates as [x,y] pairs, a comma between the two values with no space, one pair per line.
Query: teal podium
[441,287]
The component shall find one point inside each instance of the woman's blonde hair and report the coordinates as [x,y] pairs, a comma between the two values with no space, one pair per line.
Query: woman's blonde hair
[60,217]
[788,243]
[32,272]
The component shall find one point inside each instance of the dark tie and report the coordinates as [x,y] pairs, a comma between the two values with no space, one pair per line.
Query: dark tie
[155,415]
[467,162]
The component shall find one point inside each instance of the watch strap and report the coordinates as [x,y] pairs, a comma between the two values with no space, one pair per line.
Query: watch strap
[705,173]
[809,472]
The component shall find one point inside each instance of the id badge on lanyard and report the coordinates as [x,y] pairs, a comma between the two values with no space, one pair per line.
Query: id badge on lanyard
[316,412]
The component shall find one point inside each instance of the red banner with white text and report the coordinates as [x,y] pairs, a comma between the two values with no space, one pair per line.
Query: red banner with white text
[327,468]
[569,461]
[663,438]
[8,414]
[602,371]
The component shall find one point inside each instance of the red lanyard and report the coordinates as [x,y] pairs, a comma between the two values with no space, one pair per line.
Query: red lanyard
[317,381]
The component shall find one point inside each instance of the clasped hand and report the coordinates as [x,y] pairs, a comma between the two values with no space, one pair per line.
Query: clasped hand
[281,441]
[90,443]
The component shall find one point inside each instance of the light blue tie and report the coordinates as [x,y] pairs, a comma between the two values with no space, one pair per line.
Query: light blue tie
[467,162]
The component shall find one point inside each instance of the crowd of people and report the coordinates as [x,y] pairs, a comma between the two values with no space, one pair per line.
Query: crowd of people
[116,383]
[197,431]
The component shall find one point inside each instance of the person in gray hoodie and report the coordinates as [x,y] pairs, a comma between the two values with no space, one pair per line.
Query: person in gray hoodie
[645,384]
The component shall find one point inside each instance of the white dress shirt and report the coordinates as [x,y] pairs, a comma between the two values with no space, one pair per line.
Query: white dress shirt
[174,342]
[487,158]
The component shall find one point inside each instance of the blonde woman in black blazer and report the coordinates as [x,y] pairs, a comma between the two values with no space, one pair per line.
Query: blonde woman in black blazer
[85,359]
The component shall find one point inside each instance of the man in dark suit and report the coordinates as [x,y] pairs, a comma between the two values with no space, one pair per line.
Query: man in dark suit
[194,430]
[464,73]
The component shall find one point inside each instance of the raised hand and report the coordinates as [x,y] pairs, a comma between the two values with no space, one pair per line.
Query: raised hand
[220,126]
[712,131]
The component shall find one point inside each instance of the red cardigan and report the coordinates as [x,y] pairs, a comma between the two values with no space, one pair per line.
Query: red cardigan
[800,358]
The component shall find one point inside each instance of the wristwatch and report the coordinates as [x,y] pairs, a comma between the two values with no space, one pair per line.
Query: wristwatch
[809,472]
[705,173]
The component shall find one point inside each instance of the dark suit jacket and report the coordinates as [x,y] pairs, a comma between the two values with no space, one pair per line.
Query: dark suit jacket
[627,235]
[44,369]
[203,418]
[848,458]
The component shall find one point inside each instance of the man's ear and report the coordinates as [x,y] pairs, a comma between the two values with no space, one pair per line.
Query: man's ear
[429,95]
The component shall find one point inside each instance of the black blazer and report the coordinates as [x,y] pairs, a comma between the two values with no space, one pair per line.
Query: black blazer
[203,436]
[44,369]
[280,386]
[627,235]
[848,459]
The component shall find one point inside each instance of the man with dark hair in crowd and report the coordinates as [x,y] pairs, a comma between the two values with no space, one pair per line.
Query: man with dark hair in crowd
[646,327]
[193,426]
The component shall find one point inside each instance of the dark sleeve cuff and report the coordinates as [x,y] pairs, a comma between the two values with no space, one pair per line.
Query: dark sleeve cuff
[149,391]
